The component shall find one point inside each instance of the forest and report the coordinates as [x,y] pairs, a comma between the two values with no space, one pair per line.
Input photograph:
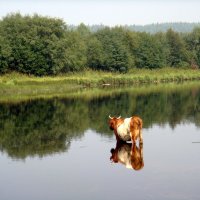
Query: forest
[48,46]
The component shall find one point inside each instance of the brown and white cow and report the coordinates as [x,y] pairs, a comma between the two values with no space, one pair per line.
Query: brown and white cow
[128,154]
[126,129]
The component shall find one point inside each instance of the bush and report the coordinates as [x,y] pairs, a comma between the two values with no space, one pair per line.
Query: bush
[37,43]
[5,52]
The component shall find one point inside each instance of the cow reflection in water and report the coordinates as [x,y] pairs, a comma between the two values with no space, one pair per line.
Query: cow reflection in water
[128,154]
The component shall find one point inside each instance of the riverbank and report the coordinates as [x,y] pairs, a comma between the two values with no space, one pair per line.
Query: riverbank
[15,86]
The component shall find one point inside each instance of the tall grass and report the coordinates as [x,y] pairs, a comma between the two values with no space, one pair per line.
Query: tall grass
[97,78]
[15,85]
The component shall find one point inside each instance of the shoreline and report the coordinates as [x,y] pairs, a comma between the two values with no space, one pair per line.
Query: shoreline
[17,87]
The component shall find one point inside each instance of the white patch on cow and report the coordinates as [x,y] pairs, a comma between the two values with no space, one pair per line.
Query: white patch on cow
[123,130]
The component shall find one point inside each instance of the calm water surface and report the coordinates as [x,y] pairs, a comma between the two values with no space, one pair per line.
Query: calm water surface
[61,148]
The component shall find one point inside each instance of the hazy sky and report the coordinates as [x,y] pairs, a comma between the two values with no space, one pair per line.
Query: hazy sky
[108,12]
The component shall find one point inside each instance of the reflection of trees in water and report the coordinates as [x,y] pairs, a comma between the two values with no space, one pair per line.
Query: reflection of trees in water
[172,108]
[39,127]
[47,126]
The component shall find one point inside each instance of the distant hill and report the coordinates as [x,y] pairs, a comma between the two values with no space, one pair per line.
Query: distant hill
[180,27]
[163,27]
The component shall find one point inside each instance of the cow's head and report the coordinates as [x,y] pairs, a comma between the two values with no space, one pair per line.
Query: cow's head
[114,156]
[113,121]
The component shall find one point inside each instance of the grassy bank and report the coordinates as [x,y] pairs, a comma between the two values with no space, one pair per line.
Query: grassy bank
[98,78]
[18,86]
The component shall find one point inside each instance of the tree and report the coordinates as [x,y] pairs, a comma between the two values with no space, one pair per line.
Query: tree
[36,42]
[75,52]
[116,54]
[150,52]
[131,40]
[193,43]
[95,54]
[5,52]
[47,46]
[178,56]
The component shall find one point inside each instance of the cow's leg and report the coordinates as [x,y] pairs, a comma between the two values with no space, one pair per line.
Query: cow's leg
[140,136]
[141,150]
[133,135]
[117,137]
[133,149]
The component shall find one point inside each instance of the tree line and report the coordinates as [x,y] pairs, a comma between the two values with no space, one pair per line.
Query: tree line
[48,46]
[181,27]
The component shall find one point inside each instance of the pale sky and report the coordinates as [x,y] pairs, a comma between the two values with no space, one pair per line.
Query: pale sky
[108,12]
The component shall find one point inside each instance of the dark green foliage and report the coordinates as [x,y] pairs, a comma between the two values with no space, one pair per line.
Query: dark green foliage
[178,56]
[5,55]
[75,52]
[76,49]
[36,43]
[95,55]
[116,55]
[46,46]
[150,52]
[193,42]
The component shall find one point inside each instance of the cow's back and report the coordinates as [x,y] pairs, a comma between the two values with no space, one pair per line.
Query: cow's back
[136,122]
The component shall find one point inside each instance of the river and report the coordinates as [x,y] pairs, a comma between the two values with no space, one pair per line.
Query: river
[60,148]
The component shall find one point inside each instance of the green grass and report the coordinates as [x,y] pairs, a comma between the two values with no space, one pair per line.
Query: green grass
[98,78]
[15,86]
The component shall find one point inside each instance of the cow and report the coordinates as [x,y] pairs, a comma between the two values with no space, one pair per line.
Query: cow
[126,129]
[128,154]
